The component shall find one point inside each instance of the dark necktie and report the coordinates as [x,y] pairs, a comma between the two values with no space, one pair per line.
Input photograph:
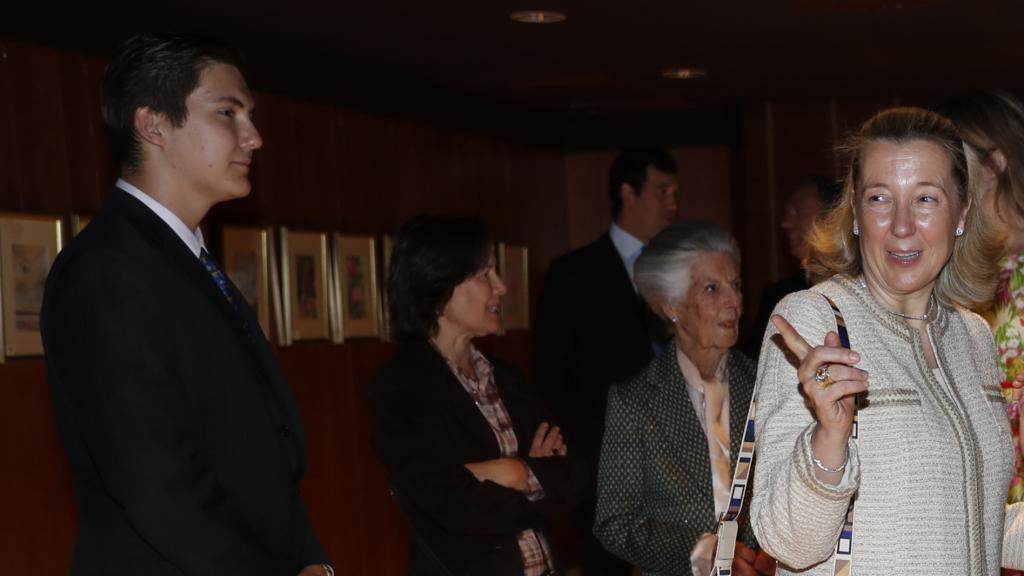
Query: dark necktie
[218,275]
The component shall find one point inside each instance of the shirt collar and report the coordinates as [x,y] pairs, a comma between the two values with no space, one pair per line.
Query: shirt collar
[192,238]
[627,245]
[692,374]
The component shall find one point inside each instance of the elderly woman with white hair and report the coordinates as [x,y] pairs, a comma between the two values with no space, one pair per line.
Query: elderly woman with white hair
[673,432]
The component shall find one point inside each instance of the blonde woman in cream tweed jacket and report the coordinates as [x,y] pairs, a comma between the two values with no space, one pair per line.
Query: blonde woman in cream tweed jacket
[899,254]
[930,476]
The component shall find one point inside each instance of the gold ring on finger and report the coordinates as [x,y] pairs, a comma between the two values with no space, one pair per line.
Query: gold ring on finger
[821,377]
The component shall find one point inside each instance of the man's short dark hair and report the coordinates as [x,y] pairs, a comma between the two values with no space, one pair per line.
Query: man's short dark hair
[432,255]
[630,167]
[828,191]
[157,71]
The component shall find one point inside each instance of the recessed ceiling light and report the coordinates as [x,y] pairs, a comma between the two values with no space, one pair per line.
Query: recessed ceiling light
[684,73]
[537,17]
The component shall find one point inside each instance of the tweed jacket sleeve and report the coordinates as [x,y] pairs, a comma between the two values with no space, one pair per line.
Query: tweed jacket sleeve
[796,517]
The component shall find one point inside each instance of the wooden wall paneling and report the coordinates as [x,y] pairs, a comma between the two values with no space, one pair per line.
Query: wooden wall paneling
[319,374]
[316,180]
[107,171]
[444,178]
[431,186]
[38,126]
[362,144]
[381,522]
[851,113]
[275,194]
[36,492]
[705,184]
[463,162]
[753,213]
[408,175]
[90,168]
[489,195]
[9,187]
[486,186]
[803,147]
[588,205]
[547,214]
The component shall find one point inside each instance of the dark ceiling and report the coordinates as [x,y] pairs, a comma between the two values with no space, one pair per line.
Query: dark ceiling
[465,58]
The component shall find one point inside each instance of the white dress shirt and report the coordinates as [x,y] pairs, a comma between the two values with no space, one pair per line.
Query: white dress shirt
[192,238]
[628,247]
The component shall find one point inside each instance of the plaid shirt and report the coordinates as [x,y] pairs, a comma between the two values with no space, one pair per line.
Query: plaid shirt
[532,545]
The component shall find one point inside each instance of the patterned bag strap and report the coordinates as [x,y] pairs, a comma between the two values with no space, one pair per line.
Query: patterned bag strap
[843,565]
[728,527]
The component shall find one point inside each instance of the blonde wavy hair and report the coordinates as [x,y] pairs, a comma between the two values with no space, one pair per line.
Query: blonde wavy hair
[969,277]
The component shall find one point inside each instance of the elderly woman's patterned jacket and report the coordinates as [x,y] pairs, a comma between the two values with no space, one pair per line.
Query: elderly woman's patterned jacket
[654,482]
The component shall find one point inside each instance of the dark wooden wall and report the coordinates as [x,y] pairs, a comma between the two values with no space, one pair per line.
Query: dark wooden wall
[336,169]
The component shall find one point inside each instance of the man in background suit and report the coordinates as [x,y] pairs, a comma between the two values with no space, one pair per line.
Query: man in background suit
[186,446]
[592,328]
[811,199]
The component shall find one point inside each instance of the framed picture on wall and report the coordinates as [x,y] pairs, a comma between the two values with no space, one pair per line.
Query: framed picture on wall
[356,290]
[28,245]
[246,261]
[304,267]
[77,222]
[387,246]
[277,304]
[513,266]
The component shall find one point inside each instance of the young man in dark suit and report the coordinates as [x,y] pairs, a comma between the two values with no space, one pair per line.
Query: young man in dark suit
[592,328]
[186,446]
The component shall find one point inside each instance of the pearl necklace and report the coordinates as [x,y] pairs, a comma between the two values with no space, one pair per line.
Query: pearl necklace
[924,317]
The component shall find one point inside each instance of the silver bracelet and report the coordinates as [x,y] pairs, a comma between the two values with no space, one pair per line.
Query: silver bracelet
[821,466]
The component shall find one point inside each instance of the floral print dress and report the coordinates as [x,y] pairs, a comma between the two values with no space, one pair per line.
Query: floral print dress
[1008,326]
[1009,334]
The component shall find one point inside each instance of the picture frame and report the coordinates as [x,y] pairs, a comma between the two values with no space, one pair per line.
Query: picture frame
[305,287]
[513,267]
[356,290]
[387,246]
[245,257]
[281,326]
[77,222]
[29,243]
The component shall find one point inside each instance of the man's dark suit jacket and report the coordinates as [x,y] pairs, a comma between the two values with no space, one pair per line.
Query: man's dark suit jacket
[186,446]
[424,427]
[592,331]
[772,295]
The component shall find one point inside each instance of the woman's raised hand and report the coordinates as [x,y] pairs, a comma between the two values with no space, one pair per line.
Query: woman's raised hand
[827,377]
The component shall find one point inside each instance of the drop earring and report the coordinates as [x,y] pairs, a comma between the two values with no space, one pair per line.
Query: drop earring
[856,229]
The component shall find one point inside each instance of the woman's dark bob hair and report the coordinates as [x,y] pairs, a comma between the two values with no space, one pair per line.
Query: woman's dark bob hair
[433,254]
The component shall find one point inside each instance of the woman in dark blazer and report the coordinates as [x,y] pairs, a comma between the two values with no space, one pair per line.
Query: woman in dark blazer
[473,465]
[673,432]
